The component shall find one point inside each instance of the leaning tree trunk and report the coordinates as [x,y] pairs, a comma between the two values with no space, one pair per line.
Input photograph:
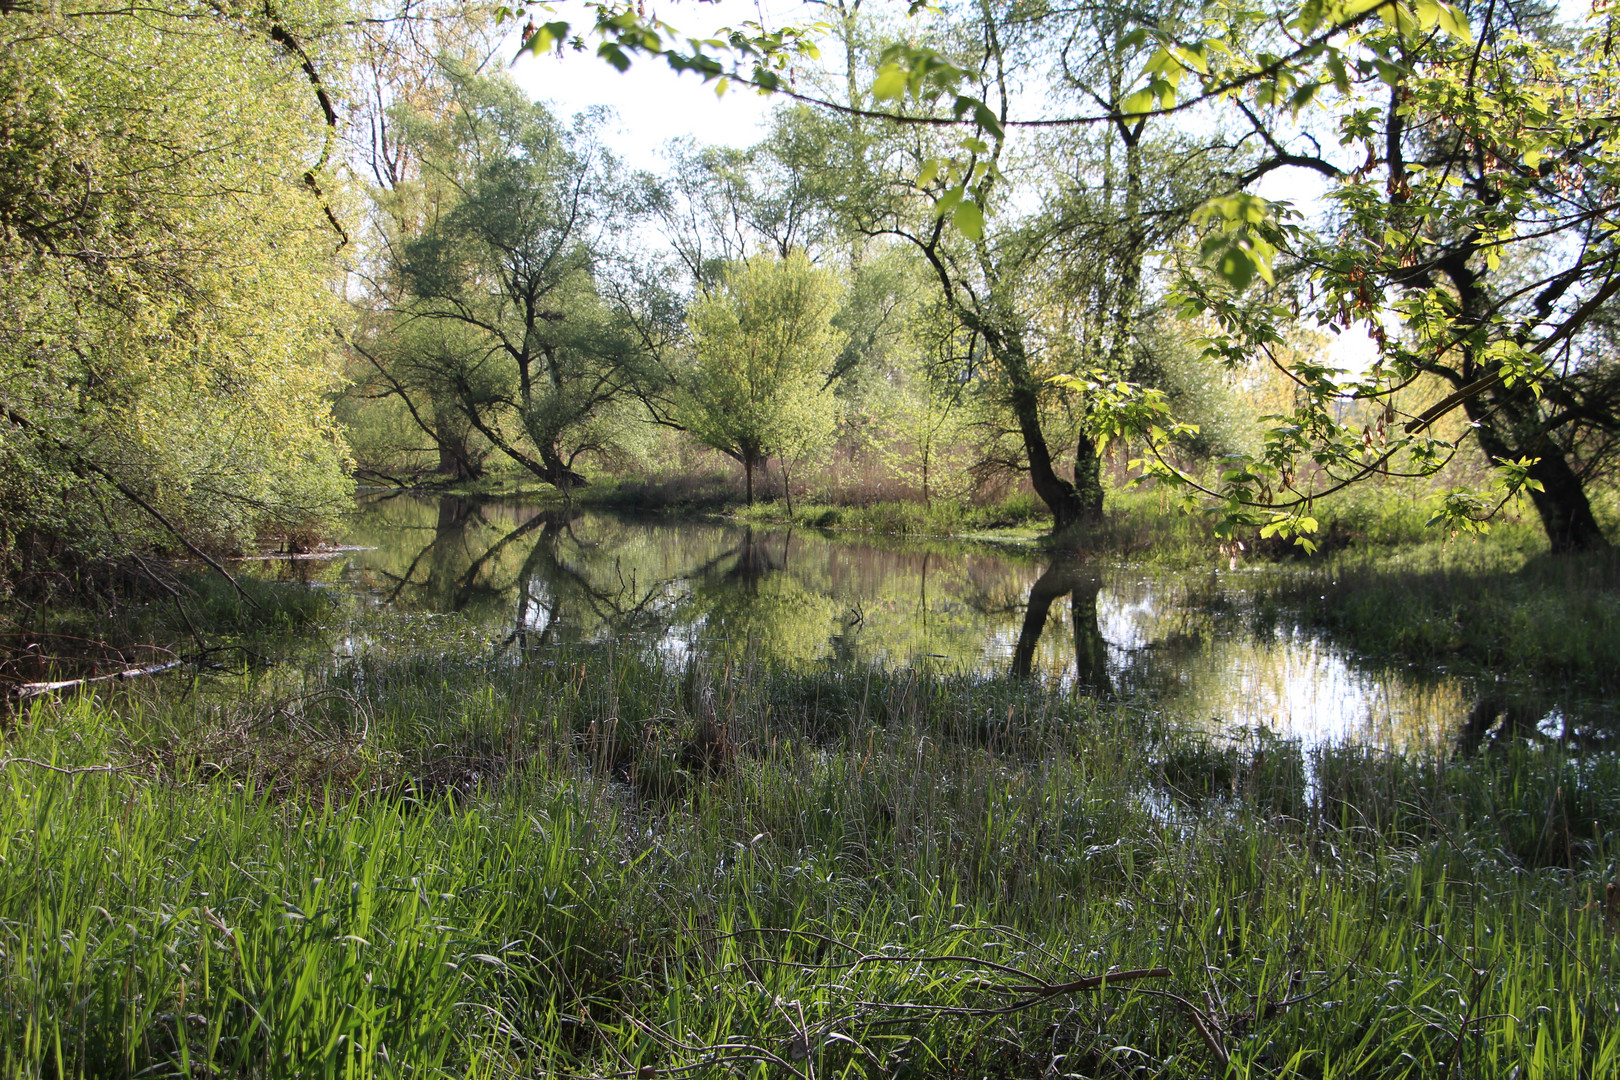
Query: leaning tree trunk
[1060,496]
[1565,512]
[1006,346]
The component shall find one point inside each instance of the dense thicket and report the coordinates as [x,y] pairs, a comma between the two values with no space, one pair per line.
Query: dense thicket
[169,297]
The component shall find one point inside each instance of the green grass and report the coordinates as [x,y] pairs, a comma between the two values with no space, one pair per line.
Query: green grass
[1486,607]
[431,863]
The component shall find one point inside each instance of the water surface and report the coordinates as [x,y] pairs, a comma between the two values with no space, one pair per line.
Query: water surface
[533,576]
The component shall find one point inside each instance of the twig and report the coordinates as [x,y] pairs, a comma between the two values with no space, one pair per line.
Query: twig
[62,770]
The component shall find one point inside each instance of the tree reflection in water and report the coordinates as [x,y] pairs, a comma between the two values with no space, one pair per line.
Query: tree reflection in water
[536,577]
[1081,583]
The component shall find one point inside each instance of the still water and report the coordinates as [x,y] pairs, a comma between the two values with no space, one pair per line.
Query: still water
[529,577]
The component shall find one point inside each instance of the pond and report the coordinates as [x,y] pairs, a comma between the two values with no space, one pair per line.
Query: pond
[532,576]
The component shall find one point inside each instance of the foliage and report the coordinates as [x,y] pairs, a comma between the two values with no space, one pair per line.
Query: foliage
[1469,206]
[427,862]
[494,309]
[763,351]
[1472,219]
[166,322]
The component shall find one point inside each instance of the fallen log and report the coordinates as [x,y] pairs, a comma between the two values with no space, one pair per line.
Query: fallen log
[34,689]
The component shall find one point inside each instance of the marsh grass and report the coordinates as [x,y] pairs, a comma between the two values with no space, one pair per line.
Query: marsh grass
[432,861]
[1488,607]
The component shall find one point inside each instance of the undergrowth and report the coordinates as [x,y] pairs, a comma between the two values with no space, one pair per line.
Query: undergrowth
[1486,607]
[432,861]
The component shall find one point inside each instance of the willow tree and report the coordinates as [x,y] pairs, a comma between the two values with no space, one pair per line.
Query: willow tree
[1475,203]
[169,287]
[1040,248]
[764,348]
[493,302]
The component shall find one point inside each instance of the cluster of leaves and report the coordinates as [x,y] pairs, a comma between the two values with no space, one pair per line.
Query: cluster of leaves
[166,317]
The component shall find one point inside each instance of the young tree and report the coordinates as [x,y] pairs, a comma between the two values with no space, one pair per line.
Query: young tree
[763,348]
[931,412]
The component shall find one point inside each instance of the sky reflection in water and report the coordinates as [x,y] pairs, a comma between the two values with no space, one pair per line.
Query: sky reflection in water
[535,577]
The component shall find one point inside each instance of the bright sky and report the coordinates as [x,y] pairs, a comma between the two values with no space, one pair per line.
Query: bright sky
[654,104]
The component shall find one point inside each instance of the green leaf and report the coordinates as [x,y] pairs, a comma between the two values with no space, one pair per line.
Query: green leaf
[1139,102]
[969,219]
[544,37]
[987,120]
[1237,265]
[890,84]
[1455,23]
[613,55]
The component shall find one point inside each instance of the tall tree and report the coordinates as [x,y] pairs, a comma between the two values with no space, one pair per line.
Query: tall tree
[503,276]
[1040,247]
[1473,197]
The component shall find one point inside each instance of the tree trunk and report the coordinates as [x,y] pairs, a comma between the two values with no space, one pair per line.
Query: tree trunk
[449,433]
[455,460]
[1565,512]
[1508,423]
[787,488]
[1088,489]
[1057,493]
[748,474]
[1067,506]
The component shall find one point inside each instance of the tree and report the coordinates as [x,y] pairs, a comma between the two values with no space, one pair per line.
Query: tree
[1472,196]
[499,288]
[763,347]
[1472,204]
[1043,261]
[168,301]
[934,391]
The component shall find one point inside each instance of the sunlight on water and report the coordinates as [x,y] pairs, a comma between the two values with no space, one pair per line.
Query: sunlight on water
[530,578]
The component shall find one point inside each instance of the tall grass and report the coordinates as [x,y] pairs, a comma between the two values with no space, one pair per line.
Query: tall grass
[435,862]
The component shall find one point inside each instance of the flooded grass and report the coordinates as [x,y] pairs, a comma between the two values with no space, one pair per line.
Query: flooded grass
[1553,618]
[438,858]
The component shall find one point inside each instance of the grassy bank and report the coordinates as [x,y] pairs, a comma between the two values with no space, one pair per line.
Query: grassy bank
[1489,608]
[430,863]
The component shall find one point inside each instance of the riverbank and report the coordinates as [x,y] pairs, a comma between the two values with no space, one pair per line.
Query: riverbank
[1390,518]
[540,790]
[433,861]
